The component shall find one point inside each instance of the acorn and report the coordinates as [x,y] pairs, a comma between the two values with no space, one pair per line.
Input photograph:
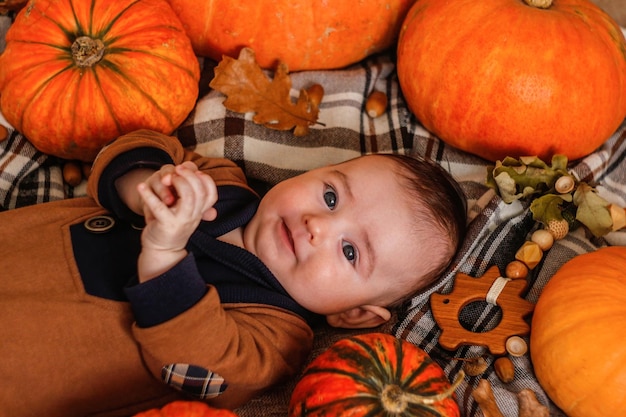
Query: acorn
[564,184]
[504,369]
[474,366]
[516,346]
[315,93]
[376,104]
[72,173]
[4,133]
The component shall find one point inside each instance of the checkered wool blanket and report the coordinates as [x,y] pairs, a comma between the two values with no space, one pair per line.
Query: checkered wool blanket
[496,229]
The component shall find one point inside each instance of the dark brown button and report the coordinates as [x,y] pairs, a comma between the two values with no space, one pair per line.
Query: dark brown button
[99,224]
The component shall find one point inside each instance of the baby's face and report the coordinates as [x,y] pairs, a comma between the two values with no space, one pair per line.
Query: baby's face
[341,236]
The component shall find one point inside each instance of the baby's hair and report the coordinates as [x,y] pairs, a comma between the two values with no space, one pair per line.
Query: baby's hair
[432,188]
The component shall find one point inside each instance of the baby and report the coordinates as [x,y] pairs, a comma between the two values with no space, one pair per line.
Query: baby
[174,280]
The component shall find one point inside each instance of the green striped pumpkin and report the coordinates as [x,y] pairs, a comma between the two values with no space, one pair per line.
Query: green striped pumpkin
[76,74]
[373,374]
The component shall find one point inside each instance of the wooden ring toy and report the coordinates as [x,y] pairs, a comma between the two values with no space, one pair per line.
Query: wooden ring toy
[493,288]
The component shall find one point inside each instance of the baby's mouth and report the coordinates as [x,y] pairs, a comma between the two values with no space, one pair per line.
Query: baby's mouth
[288,237]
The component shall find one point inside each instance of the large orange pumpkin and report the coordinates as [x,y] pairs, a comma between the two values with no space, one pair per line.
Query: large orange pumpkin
[503,78]
[577,335]
[76,74]
[304,34]
[373,374]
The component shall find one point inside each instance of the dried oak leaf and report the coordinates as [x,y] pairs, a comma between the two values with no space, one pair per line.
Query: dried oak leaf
[248,89]
[530,177]
[593,210]
[516,179]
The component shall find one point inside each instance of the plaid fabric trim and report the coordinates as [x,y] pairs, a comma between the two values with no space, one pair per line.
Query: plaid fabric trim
[193,380]
[27,176]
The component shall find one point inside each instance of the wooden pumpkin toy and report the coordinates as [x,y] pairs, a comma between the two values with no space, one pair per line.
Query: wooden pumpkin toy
[304,34]
[514,78]
[492,288]
[373,374]
[77,74]
[577,335]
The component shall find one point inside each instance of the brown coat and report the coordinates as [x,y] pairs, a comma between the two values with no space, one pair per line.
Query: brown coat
[66,353]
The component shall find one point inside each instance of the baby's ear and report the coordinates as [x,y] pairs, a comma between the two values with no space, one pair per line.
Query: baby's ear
[360,317]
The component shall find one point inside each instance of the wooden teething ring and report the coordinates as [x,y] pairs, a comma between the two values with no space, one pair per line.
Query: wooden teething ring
[447,307]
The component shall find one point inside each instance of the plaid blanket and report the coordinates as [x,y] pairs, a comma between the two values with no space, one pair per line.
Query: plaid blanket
[496,229]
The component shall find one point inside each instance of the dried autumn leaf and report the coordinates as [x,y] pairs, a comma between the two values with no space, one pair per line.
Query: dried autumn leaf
[530,177]
[517,179]
[548,207]
[593,210]
[248,89]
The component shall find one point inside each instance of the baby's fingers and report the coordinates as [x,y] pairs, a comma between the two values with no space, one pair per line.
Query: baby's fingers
[210,189]
[198,187]
[207,195]
[152,202]
[161,184]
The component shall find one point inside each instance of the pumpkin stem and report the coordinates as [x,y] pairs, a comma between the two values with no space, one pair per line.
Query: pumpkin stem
[395,400]
[541,4]
[87,51]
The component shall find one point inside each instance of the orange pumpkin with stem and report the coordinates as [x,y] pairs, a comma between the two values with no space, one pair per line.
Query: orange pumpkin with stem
[504,78]
[577,335]
[304,34]
[374,374]
[77,74]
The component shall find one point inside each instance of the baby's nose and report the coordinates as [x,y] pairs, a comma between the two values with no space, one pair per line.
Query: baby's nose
[317,227]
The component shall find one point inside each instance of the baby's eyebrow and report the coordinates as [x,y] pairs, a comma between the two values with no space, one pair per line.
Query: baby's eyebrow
[369,261]
[345,182]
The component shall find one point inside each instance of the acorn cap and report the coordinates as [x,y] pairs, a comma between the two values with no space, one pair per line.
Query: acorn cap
[516,346]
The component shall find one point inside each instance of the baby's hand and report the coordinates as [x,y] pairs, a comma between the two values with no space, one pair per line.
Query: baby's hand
[160,183]
[175,199]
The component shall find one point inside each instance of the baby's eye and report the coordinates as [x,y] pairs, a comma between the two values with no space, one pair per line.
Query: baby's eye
[330,197]
[349,252]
